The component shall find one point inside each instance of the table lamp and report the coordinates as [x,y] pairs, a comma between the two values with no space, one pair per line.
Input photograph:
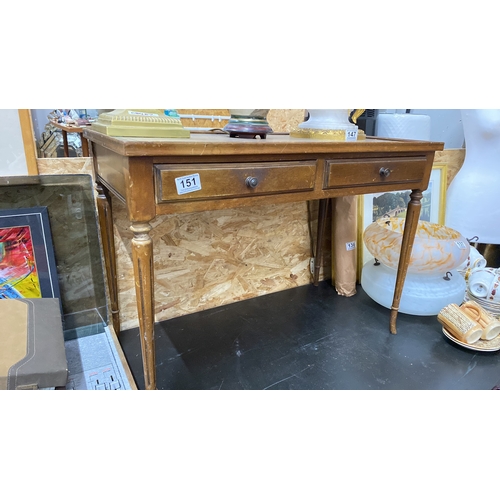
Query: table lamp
[248,123]
[331,124]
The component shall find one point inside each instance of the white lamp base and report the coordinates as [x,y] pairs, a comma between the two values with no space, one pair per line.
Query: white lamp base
[423,295]
[328,124]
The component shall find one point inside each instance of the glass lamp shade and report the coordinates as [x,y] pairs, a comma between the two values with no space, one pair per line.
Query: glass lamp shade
[432,281]
[423,294]
[436,248]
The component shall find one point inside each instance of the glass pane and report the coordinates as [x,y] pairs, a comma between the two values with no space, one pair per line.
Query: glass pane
[70,202]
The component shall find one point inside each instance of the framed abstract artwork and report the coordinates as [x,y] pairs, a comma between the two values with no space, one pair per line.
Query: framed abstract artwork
[27,260]
[371,207]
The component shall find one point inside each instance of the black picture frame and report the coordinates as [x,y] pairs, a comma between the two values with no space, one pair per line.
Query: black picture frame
[37,220]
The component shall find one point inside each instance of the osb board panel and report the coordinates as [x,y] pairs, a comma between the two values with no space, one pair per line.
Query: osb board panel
[210,259]
[62,166]
[285,120]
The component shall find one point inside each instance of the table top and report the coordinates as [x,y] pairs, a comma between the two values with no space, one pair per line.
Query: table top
[222,144]
[69,127]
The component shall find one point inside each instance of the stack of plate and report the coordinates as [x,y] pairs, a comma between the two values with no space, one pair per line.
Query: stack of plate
[492,307]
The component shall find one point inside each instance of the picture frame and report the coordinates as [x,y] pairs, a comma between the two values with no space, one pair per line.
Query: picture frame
[433,208]
[29,143]
[27,260]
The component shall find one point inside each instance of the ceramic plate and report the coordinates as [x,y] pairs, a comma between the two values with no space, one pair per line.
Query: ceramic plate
[492,307]
[480,345]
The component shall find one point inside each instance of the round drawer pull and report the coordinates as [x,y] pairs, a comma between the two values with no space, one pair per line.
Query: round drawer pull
[251,182]
[384,172]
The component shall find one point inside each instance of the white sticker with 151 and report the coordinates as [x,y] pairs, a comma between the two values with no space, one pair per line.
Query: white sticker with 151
[188,183]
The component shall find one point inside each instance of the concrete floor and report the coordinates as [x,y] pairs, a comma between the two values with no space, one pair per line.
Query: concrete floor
[309,338]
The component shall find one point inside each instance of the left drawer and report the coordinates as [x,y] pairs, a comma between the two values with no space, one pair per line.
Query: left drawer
[179,182]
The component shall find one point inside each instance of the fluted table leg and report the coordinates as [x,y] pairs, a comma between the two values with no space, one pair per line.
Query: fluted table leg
[411,223]
[142,256]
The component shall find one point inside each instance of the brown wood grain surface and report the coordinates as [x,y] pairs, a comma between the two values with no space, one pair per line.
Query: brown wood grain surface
[222,144]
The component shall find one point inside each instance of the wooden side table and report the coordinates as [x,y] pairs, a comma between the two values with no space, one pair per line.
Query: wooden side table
[213,171]
[71,129]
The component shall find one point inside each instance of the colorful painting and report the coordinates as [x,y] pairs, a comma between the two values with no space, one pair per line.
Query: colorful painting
[27,262]
[18,271]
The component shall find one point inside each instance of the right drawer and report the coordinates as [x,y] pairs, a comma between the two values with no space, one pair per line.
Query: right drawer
[373,171]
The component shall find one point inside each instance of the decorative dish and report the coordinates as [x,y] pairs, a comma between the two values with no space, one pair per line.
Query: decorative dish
[480,345]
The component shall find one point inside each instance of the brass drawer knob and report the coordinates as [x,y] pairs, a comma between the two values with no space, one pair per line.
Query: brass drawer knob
[384,172]
[251,182]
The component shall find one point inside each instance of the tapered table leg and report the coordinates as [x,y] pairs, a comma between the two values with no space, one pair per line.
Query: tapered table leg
[65,143]
[142,256]
[411,223]
[105,213]
[322,212]
[85,145]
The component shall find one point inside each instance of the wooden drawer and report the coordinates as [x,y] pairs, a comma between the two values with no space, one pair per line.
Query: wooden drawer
[202,181]
[373,171]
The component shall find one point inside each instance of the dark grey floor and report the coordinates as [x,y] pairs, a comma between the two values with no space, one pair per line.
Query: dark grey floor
[309,338]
